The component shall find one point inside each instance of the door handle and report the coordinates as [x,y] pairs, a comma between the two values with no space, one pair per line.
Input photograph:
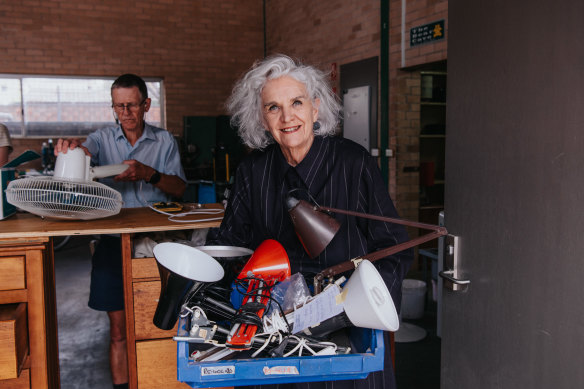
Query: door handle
[451,264]
[449,276]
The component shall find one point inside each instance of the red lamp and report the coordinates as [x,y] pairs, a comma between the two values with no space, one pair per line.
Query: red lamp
[268,264]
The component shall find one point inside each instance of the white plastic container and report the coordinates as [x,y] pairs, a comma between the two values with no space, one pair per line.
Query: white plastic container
[413,299]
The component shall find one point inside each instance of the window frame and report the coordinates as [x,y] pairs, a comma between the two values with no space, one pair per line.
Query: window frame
[24,131]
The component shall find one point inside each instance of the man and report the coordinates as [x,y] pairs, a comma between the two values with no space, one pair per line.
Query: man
[154,174]
[5,144]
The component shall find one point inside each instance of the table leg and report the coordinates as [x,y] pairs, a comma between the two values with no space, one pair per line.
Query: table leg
[129,309]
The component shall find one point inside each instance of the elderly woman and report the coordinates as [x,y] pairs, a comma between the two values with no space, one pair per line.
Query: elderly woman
[287,114]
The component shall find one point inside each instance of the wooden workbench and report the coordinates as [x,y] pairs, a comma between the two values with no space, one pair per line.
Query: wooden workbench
[26,247]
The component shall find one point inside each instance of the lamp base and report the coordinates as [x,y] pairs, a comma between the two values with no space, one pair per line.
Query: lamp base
[409,333]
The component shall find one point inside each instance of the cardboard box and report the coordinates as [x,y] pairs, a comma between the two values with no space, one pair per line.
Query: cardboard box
[7,174]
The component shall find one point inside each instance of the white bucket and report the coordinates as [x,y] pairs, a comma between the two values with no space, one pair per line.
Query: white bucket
[413,299]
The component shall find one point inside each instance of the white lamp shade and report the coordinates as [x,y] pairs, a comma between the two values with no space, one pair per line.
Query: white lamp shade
[188,262]
[368,303]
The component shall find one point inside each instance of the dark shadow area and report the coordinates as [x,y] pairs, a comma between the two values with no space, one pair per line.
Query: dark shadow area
[417,364]
[83,332]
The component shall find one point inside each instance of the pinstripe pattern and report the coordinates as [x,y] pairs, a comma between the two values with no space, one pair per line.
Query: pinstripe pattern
[337,173]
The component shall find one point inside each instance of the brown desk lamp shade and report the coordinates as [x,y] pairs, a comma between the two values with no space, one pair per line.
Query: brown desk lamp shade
[315,229]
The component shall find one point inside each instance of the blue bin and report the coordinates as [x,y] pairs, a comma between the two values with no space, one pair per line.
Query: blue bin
[261,371]
[207,193]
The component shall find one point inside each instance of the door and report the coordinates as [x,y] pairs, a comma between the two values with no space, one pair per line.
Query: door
[359,89]
[515,195]
[356,102]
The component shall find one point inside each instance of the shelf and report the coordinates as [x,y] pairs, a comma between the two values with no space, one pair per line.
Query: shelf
[432,140]
[433,73]
[433,88]
[437,206]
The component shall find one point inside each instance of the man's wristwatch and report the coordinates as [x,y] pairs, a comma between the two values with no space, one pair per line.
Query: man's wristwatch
[154,178]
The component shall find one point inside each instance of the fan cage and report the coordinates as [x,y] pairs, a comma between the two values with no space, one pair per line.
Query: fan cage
[48,197]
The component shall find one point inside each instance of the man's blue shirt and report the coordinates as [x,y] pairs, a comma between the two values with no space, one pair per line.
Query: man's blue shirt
[156,148]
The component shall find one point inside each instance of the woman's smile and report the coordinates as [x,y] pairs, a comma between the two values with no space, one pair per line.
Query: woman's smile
[290,129]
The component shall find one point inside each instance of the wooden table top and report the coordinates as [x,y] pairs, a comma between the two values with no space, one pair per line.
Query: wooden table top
[129,220]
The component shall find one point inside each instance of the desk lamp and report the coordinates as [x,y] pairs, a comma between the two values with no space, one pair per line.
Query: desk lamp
[316,228]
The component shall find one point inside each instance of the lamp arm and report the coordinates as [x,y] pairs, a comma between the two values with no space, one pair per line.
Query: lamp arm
[437,231]
[408,223]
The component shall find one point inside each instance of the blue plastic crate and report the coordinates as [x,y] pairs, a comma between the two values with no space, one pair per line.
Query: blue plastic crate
[260,371]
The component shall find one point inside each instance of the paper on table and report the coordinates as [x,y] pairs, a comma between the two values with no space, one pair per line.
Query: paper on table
[317,310]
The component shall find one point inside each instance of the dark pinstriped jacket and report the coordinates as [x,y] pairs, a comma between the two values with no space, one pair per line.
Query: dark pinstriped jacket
[337,173]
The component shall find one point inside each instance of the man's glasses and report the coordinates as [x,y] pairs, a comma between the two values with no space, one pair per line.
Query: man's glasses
[132,107]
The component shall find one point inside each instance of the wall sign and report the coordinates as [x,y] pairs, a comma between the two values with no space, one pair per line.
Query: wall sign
[427,33]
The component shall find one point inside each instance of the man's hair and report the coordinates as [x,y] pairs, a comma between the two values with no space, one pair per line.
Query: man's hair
[131,80]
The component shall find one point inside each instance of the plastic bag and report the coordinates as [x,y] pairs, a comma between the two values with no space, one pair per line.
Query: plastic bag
[289,293]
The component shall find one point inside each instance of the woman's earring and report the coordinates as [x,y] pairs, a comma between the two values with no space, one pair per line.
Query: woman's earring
[316,126]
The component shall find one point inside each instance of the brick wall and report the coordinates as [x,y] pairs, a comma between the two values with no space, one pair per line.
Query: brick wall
[325,32]
[198,47]
[406,121]
[201,47]
[417,13]
[340,31]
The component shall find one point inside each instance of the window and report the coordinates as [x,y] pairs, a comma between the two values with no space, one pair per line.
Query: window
[37,106]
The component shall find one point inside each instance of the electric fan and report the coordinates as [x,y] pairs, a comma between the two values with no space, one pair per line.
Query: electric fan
[71,192]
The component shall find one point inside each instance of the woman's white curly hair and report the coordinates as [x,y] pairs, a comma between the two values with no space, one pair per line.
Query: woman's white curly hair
[245,104]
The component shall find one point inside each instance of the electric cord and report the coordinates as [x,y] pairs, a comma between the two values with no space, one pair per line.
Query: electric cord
[247,313]
[213,299]
[275,322]
[272,326]
[283,345]
[287,345]
[303,344]
[200,210]
[267,342]
[247,317]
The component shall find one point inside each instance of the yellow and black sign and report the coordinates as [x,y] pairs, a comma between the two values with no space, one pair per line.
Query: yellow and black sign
[427,33]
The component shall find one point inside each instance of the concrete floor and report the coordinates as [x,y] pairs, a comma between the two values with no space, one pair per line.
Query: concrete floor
[417,364]
[83,332]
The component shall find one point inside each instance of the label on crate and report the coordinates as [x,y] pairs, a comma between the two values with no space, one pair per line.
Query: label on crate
[217,370]
[281,370]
